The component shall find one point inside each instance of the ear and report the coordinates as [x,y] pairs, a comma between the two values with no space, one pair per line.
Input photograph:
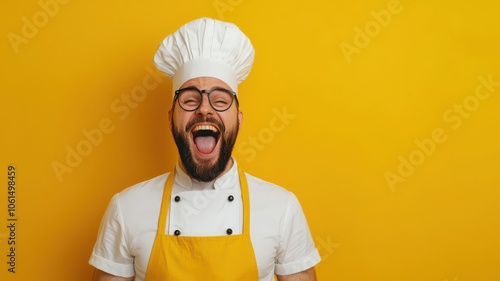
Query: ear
[240,117]
[170,119]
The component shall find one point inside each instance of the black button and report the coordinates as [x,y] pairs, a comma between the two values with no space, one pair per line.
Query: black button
[229,231]
[177,199]
[177,232]
[230,198]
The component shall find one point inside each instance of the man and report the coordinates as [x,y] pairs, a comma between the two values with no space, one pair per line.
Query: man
[206,220]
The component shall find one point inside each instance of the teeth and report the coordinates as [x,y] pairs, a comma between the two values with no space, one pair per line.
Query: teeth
[205,128]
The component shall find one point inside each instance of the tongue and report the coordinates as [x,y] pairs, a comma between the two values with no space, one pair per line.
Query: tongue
[205,144]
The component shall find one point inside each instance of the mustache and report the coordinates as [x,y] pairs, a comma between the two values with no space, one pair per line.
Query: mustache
[206,119]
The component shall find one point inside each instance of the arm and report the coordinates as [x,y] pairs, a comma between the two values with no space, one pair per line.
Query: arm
[306,275]
[297,254]
[100,275]
[111,247]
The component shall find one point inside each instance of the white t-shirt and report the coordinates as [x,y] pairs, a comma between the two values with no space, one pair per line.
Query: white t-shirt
[278,229]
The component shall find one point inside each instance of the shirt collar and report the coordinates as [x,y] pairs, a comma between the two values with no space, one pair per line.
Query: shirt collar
[228,180]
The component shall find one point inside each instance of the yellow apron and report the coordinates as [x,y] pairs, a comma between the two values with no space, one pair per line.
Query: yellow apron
[210,258]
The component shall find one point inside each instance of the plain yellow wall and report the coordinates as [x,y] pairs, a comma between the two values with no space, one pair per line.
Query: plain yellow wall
[382,116]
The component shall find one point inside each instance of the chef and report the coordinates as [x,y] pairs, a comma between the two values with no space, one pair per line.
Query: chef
[207,219]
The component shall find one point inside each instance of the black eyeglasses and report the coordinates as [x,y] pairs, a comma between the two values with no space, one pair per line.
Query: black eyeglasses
[190,98]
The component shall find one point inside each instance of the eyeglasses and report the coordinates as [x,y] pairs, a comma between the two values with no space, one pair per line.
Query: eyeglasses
[190,98]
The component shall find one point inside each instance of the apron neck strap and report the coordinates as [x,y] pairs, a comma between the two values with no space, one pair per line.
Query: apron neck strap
[165,202]
[245,198]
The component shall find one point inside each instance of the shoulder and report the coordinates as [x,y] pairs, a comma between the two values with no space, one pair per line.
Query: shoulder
[148,188]
[143,198]
[260,185]
[265,193]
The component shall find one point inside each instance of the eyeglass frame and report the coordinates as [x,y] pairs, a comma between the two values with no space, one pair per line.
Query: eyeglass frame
[208,92]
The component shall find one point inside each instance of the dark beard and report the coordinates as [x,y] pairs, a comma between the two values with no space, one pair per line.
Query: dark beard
[204,171]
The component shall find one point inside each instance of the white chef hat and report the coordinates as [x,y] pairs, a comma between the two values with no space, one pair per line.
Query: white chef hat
[206,48]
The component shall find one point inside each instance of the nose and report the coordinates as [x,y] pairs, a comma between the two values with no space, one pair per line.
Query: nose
[205,107]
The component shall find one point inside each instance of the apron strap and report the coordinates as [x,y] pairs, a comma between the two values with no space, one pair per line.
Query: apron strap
[165,205]
[245,198]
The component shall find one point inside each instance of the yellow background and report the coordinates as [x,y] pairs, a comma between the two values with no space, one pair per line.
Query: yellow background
[353,118]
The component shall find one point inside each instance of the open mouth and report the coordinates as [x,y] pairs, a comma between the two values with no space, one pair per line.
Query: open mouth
[205,138]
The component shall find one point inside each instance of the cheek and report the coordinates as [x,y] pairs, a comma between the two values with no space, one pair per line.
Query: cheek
[230,122]
[179,121]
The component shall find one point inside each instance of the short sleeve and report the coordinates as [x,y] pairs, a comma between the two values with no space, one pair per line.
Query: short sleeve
[110,253]
[297,251]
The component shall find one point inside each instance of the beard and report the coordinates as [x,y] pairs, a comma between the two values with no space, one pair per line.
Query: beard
[203,170]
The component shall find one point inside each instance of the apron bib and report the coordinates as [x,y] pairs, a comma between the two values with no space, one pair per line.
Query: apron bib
[210,258]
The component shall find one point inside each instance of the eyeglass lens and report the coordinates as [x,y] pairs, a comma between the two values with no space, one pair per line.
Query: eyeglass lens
[190,99]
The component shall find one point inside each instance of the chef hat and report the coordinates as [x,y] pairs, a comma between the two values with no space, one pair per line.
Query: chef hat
[206,48]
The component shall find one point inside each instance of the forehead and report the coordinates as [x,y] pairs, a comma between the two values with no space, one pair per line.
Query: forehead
[205,83]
